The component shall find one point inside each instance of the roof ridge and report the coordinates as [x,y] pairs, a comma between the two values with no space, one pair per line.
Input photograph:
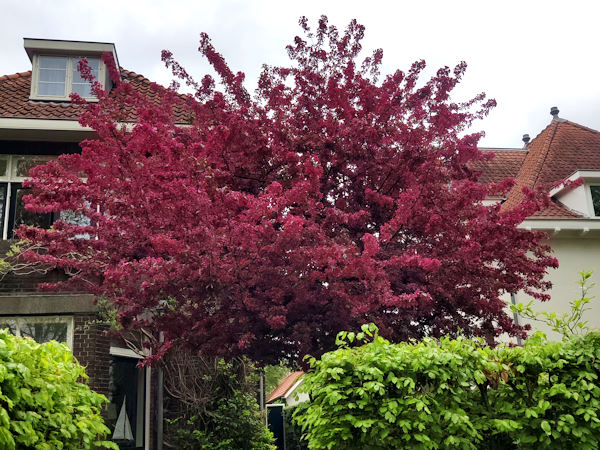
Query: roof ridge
[13,76]
[546,151]
[502,149]
[583,127]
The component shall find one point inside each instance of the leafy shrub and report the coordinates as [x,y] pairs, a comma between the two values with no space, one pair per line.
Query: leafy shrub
[293,432]
[233,422]
[212,405]
[566,324]
[45,402]
[454,393]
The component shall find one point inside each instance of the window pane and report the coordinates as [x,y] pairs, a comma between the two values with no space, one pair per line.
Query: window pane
[83,89]
[74,218]
[45,331]
[3,187]
[24,217]
[54,89]
[10,324]
[3,165]
[79,85]
[53,62]
[596,199]
[23,165]
[52,75]
[94,63]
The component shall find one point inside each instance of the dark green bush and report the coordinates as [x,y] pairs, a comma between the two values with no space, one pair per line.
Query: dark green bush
[212,405]
[45,402]
[454,393]
[293,432]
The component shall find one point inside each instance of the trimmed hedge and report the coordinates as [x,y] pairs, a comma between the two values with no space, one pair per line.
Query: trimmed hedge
[454,393]
[45,402]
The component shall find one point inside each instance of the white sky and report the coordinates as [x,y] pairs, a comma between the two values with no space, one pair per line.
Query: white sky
[528,55]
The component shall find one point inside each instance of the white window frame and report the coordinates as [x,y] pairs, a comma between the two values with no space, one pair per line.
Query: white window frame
[35,75]
[19,320]
[590,199]
[10,177]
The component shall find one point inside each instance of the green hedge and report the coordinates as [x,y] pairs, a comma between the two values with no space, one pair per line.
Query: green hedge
[45,403]
[454,394]
[293,432]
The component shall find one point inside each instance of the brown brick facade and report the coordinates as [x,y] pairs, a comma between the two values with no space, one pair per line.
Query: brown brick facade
[91,347]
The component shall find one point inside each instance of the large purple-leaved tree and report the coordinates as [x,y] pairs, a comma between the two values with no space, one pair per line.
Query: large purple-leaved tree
[266,223]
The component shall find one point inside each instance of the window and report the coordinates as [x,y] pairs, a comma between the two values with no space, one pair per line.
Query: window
[595,190]
[14,169]
[56,77]
[41,328]
[125,412]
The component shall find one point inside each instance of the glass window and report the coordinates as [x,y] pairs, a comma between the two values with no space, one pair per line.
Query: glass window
[79,85]
[20,216]
[13,170]
[125,412]
[3,165]
[596,199]
[52,76]
[41,328]
[3,197]
[44,332]
[58,76]
[10,324]
[22,165]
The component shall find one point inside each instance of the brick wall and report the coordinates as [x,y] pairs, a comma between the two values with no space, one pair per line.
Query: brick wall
[91,347]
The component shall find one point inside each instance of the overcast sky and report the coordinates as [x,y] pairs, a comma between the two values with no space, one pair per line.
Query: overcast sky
[528,55]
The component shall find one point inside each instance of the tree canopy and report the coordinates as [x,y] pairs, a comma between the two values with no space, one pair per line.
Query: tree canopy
[264,223]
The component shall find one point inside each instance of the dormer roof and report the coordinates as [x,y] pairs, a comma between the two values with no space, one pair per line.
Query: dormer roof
[62,47]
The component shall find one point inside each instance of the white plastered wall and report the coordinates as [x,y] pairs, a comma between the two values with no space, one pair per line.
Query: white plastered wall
[574,254]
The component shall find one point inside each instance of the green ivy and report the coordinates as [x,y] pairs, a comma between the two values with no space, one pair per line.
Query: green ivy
[45,403]
[454,393]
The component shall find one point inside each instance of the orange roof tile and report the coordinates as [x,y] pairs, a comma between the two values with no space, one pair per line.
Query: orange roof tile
[15,102]
[504,164]
[284,386]
[559,150]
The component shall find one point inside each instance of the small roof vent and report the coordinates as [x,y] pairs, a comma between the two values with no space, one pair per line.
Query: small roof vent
[526,139]
[554,112]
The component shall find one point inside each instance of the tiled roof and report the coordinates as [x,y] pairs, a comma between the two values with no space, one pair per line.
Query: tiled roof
[284,386]
[504,164]
[15,102]
[562,148]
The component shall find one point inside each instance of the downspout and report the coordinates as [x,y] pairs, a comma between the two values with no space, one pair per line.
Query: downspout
[262,390]
[513,300]
[159,403]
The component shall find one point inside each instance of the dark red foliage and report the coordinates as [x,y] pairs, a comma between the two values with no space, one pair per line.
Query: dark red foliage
[270,222]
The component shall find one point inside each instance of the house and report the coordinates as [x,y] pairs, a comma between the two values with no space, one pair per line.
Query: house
[38,122]
[288,390]
[564,151]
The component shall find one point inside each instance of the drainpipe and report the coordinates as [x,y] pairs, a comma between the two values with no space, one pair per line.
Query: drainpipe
[513,300]
[262,390]
[159,403]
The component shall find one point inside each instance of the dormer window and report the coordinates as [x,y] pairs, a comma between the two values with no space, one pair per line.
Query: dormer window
[56,77]
[55,63]
[595,191]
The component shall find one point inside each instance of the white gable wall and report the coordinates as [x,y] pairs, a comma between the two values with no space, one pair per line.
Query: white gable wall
[575,253]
